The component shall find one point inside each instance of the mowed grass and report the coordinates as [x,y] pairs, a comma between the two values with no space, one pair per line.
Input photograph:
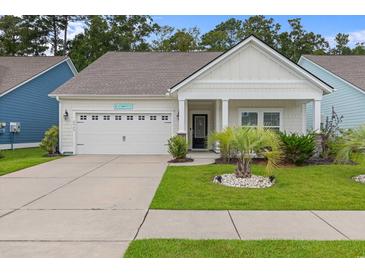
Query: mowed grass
[17,159]
[322,187]
[172,248]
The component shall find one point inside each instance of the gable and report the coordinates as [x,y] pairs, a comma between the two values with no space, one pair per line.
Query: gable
[250,64]
[252,61]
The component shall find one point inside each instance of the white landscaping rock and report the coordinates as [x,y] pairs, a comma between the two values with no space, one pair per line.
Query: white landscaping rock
[253,182]
[360,178]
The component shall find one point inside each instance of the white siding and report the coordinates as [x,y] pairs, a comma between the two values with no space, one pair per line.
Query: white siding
[293,117]
[251,73]
[74,106]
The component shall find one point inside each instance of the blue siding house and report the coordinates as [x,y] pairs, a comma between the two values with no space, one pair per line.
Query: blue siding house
[346,74]
[25,83]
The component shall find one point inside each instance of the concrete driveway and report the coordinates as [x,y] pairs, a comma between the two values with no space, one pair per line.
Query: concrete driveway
[78,206]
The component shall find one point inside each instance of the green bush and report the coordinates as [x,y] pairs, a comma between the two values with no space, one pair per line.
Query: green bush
[298,148]
[225,139]
[178,147]
[50,141]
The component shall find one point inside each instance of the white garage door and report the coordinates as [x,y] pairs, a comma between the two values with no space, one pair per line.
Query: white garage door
[137,133]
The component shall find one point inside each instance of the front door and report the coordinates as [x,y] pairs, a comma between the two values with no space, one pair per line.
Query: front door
[200,130]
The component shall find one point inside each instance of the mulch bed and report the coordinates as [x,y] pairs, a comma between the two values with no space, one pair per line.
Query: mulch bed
[186,160]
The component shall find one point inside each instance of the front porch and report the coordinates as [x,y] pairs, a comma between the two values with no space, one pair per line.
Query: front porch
[198,118]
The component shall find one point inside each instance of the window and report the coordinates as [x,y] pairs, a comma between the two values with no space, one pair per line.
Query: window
[94,117]
[83,117]
[106,117]
[165,118]
[249,119]
[129,117]
[153,118]
[118,117]
[141,117]
[272,120]
[261,117]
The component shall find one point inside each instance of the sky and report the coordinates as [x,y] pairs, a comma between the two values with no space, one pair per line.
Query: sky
[327,26]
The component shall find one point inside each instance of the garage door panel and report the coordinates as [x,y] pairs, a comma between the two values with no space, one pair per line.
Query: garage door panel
[121,136]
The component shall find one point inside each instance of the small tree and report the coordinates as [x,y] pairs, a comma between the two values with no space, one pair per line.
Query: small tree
[178,147]
[329,132]
[249,142]
[50,140]
[351,142]
[224,138]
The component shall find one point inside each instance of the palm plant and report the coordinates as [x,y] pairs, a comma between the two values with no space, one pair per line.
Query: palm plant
[249,142]
[224,138]
[352,142]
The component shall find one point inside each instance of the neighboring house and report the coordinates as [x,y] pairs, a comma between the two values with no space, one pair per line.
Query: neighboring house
[25,83]
[347,76]
[132,102]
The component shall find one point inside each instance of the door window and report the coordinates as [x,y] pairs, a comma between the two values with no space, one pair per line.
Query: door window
[200,127]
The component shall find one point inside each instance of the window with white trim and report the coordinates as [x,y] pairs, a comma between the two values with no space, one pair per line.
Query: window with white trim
[83,117]
[272,120]
[261,117]
[94,117]
[118,117]
[141,117]
[129,117]
[249,119]
[153,117]
[106,117]
[165,117]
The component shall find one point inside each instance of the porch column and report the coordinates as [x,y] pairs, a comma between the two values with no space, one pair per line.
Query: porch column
[182,117]
[217,115]
[224,113]
[316,115]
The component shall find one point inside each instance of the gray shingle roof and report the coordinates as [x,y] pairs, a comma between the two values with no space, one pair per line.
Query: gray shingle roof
[135,73]
[15,70]
[348,67]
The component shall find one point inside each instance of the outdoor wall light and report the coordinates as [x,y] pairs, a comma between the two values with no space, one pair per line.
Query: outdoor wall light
[65,115]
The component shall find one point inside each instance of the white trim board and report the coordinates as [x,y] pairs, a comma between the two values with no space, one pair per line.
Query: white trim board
[262,45]
[260,115]
[67,60]
[332,74]
[19,145]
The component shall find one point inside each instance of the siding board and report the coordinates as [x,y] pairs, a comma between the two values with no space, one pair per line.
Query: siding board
[347,101]
[30,105]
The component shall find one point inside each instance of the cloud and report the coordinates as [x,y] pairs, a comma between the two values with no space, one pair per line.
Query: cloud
[354,37]
[75,28]
[357,37]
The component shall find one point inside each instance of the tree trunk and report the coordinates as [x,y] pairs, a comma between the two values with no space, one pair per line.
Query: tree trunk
[55,36]
[243,169]
[65,36]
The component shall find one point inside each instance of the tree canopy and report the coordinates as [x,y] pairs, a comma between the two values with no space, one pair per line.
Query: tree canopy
[30,35]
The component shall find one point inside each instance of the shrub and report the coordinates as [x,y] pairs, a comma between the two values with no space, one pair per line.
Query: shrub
[50,141]
[353,141]
[225,139]
[298,148]
[178,147]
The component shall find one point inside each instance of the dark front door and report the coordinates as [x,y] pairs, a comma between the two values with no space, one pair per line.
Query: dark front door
[200,130]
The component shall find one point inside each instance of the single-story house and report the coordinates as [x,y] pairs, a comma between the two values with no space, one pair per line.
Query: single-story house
[133,102]
[347,76]
[26,110]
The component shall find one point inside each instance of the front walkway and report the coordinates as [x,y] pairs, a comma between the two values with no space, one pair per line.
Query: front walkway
[254,225]
[78,206]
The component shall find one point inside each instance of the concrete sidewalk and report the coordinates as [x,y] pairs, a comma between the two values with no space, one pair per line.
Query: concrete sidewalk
[254,225]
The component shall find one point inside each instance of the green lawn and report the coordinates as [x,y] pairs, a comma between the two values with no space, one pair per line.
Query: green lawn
[172,248]
[297,188]
[17,159]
